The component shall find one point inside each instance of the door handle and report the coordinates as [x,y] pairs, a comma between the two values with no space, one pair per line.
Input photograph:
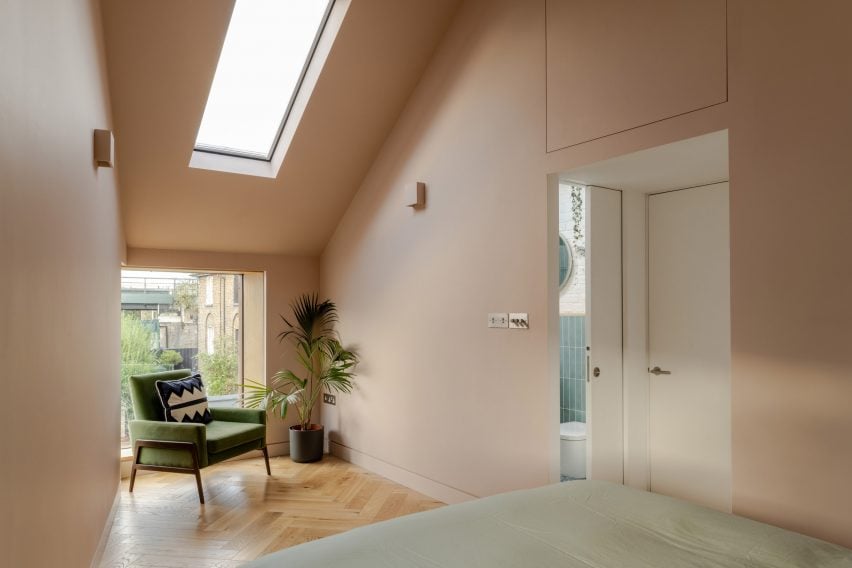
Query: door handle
[658,371]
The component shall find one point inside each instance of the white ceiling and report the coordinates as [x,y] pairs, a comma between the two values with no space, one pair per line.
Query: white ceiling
[687,163]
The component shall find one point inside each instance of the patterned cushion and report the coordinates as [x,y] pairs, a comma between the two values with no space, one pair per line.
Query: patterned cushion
[184,400]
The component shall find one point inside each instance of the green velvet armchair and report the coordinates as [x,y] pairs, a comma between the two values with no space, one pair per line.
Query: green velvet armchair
[188,447]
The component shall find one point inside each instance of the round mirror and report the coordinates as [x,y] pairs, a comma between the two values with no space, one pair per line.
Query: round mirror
[566,262]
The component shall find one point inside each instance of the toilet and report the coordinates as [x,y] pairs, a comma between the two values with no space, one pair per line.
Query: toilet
[573,449]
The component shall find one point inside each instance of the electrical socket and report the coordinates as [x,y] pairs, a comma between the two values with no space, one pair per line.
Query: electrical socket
[329,399]
[498,320]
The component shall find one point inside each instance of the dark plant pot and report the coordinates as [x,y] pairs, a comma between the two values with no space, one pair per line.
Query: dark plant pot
[306,445]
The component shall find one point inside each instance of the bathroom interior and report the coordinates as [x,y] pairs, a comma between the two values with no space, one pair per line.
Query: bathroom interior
[572,327]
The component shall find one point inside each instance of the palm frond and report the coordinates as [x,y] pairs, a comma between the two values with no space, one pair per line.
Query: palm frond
[295,397]
[313,318]
[285,378]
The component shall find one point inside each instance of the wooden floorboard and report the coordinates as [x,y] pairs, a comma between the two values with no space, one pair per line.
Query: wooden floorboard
[247,514]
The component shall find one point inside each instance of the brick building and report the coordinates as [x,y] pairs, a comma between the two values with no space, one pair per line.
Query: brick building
[219,317]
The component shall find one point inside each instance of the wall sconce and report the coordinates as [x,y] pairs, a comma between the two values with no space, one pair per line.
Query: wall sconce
[103,148]
[418,193]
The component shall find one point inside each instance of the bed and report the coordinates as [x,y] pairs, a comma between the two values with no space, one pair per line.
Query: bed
[584,524]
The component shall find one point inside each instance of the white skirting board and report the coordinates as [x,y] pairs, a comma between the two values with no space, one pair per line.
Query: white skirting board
[99,551]
[428,487]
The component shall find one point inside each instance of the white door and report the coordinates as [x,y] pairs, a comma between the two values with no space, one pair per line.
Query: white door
[604,416]
[689,339]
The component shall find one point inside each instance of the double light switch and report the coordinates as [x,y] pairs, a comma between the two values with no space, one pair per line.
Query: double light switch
[514,320]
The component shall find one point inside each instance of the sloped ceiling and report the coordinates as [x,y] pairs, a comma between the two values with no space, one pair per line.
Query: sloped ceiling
[162,55]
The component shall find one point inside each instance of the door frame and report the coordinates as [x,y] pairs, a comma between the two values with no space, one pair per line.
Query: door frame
[553,322]
[636,385]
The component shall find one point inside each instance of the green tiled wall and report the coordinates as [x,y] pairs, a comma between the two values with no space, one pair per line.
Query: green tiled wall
[572,369]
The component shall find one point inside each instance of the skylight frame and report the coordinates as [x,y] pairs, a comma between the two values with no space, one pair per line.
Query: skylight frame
[248,155]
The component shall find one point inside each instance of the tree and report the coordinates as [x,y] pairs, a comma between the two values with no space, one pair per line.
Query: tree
[171,357]
[137,356]
[219,369]
[186,298]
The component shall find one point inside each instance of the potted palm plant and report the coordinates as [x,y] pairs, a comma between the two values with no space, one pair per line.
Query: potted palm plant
[325,366]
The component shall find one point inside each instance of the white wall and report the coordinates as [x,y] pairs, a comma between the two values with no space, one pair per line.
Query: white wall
[60,248]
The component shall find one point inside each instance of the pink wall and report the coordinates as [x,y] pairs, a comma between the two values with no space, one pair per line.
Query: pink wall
[443,397]
[439,394]
[60,247]
[790,145]
[675,62]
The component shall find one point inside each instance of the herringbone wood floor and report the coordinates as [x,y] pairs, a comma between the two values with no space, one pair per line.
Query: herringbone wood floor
[247,513]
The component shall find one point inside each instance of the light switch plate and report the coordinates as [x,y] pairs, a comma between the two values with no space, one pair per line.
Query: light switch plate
[329,399]
[519,320]
[498,320]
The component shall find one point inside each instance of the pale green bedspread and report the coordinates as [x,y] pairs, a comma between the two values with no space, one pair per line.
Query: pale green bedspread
[583,524]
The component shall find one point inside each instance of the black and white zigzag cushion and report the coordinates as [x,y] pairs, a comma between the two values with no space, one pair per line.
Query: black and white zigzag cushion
[184,400]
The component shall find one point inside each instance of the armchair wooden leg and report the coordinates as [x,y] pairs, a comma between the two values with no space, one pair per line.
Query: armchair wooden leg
[194,453]
[133,469]
[266,459]
[158,444]
[198,483]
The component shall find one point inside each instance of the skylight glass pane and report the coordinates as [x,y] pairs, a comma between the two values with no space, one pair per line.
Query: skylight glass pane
[266,49]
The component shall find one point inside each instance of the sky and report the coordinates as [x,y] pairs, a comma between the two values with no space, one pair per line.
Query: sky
[265,50]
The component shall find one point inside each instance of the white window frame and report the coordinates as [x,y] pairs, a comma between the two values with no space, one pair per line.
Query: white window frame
[255,155]
[211,339]
[269,168]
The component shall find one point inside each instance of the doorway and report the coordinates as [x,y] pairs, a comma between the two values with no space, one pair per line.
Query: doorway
[590,366]
[656,432]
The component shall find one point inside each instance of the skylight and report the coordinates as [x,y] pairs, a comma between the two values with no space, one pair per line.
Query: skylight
[266,51]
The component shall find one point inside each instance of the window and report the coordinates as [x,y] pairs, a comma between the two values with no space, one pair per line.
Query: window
[211,339]
[267,49]
[176,320]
